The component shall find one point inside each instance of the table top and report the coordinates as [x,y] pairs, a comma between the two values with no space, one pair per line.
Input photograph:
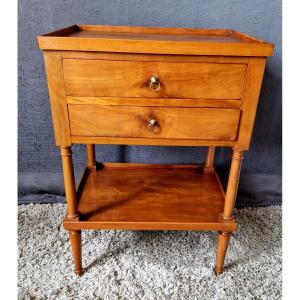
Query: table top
[155,40]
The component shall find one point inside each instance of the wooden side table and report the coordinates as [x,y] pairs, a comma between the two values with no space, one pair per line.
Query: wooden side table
[152,86]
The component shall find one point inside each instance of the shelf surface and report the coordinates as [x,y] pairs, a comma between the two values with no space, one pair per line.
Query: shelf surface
[150,197]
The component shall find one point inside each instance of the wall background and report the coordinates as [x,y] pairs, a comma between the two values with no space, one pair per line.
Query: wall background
[39,160]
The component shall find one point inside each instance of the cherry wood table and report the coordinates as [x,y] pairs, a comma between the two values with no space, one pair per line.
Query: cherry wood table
[152,86]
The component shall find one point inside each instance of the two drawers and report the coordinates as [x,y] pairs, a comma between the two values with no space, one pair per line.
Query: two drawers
[154,99]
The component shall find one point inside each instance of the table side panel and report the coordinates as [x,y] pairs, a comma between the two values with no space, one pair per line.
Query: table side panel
[56,86]
[255,72]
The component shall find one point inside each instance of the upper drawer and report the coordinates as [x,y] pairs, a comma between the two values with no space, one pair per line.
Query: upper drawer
[89,77]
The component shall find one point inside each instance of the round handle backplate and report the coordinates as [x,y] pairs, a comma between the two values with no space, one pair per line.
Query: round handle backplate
[154,84]
[153,125]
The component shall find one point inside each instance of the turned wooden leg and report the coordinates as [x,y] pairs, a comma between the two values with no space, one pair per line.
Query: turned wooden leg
[75,239]
[223,241]
[231,191]
[209,162]
[70,190]
[69,181]
[232,184]
[91,157]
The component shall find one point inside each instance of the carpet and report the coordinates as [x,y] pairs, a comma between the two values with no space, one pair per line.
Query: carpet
[148,264]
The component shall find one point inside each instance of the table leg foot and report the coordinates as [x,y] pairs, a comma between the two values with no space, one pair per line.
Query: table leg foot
[75,239]
[223,241]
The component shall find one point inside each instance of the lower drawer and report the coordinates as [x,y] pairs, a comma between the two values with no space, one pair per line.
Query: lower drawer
[154,122]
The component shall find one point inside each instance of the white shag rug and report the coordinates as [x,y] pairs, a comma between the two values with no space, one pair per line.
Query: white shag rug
[145,264]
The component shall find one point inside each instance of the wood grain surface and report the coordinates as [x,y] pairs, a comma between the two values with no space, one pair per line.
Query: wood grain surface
[55,80]
[177,102]
[131,79]
[131,39]
[126,196]
[205,90]
[171,122]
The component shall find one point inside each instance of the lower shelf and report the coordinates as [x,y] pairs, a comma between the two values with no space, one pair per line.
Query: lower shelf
[150,197]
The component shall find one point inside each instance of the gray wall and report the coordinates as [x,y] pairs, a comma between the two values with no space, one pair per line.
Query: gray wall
[39,159]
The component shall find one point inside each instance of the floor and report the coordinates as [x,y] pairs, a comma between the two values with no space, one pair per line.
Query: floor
[148,265]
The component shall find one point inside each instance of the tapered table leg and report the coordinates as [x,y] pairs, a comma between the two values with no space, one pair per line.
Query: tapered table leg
[72,213]
[91,156]
[75,239]
[69,181]
[223,241]
[209,161]
[231,191]
[232,185]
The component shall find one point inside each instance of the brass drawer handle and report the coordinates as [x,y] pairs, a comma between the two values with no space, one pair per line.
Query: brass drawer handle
[154,84]
[153,125]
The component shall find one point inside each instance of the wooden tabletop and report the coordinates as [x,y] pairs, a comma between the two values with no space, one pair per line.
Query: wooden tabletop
[155,40]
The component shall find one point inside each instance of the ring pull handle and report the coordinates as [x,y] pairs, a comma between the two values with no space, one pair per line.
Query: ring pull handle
[153,125]
[154,84]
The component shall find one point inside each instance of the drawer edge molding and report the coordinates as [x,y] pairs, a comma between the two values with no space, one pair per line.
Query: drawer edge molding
[154,57]
[146,141]
[171,102]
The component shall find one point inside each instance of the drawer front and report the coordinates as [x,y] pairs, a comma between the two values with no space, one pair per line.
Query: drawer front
[92,77]
[154,122]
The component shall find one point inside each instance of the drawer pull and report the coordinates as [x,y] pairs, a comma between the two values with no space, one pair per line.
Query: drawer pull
[154,84]
[153,125]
